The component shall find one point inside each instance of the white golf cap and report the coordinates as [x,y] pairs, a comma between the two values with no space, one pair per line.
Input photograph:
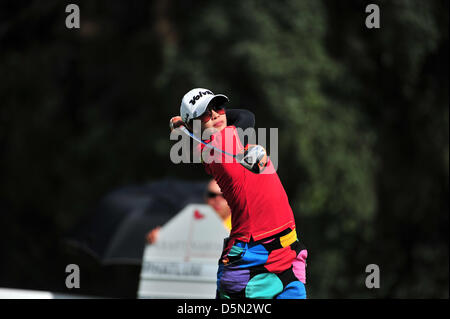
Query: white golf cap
[195,102]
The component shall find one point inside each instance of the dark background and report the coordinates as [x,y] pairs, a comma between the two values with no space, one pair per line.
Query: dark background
[362,116]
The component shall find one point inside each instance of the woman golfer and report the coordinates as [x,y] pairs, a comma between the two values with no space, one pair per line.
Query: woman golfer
[262,257]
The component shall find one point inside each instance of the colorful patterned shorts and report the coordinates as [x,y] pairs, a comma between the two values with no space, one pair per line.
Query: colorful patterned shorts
[267,269]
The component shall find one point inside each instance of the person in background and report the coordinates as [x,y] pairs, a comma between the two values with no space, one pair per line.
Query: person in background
[214,198]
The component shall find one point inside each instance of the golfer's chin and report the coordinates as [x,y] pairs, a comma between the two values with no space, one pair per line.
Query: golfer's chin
[219,125]
[210,130]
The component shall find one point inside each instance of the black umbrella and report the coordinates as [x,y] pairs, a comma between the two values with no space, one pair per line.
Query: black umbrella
[115,233]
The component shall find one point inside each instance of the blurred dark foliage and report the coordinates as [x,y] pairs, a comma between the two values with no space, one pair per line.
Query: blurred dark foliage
[362,117]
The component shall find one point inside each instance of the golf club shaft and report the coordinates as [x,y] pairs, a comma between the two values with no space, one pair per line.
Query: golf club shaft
[186,131]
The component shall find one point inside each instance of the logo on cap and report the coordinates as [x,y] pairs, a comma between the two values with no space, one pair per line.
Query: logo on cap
[198,96]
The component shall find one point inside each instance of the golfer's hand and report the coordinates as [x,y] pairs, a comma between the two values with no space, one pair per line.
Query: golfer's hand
[253,157]
[175,122]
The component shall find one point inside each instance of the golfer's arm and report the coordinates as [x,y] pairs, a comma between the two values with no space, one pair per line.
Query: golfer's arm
[240,118]
[243,119]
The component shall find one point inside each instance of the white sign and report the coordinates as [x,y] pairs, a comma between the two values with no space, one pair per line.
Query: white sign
[183,261]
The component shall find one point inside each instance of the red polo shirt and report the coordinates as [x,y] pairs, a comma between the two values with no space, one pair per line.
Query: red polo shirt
[259,204]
